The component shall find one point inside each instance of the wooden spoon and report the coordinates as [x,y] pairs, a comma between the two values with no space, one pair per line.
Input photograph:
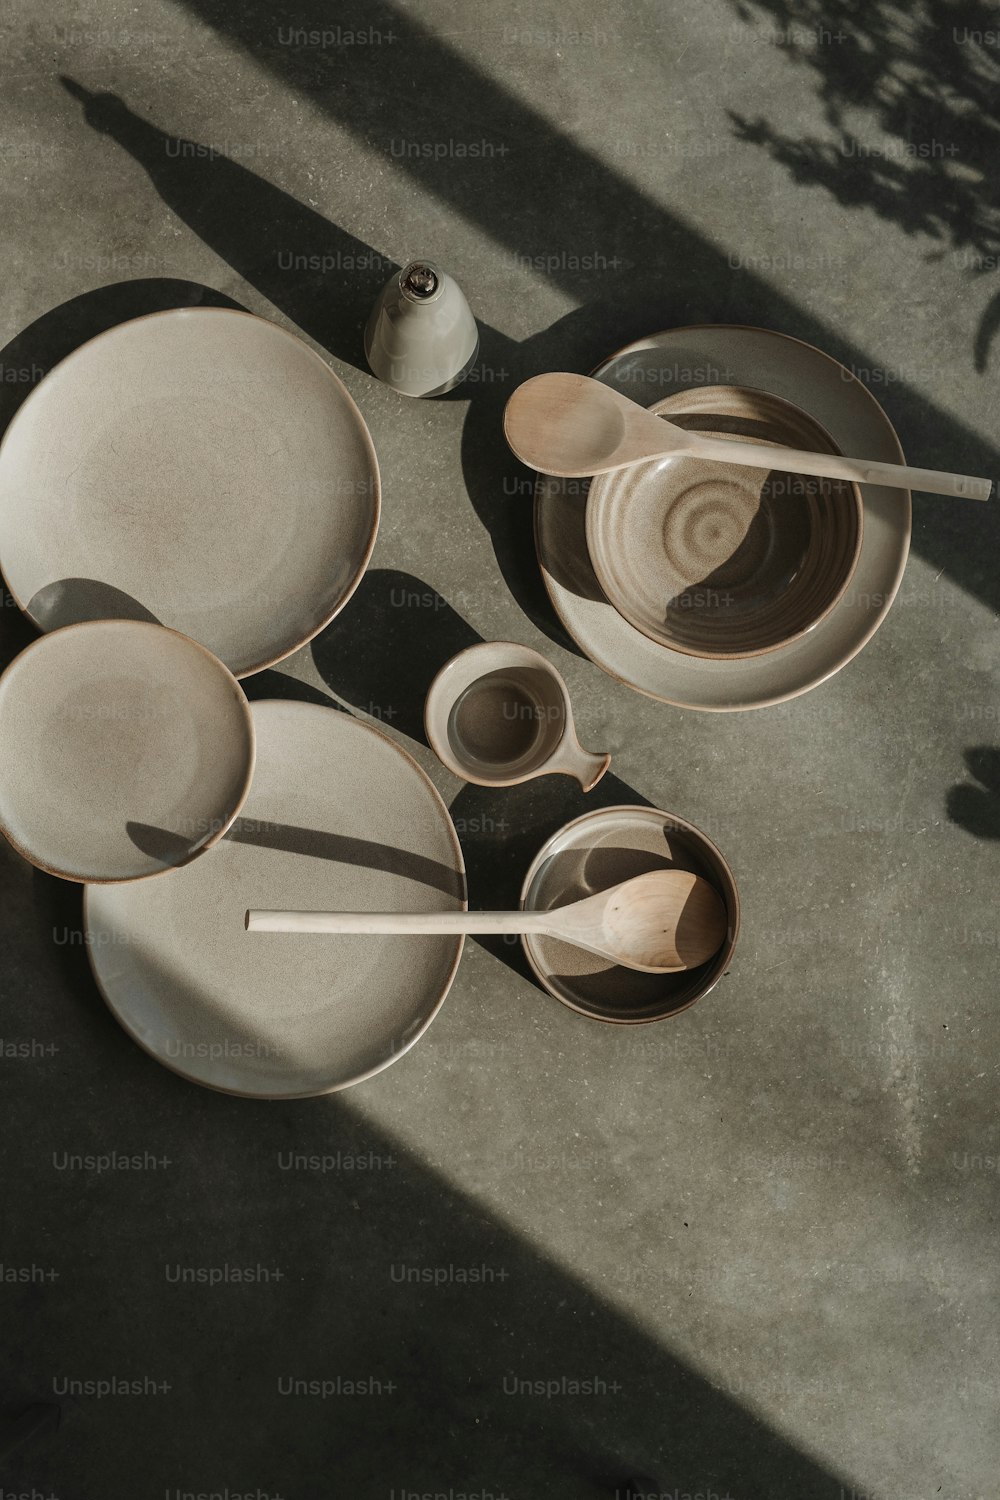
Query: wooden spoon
[657,923]
[571,426]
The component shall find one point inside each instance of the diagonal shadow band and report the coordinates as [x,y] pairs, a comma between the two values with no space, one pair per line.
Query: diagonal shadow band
[329,300]
[357,1223]
[452,1353]
[686,279]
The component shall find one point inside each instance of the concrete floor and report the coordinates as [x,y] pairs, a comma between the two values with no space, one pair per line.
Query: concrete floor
[764,1230]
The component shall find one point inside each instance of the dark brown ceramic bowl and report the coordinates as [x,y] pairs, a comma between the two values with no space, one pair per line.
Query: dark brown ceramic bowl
[599,850]
[720,560]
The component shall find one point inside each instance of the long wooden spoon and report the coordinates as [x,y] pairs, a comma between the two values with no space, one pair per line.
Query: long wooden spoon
[657,923]
[571,426]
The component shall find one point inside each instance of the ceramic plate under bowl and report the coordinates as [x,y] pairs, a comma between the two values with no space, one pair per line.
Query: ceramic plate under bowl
[722,560]
[125,751]
[199,467]
[339,819]
[595,852]
[753,358]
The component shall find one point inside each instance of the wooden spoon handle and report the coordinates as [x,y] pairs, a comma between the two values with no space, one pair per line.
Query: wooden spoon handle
[834,466]
[468,922]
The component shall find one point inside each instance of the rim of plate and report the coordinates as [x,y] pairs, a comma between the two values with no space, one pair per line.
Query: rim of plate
[230,312]
[446,987]
[245,710]
[889,594]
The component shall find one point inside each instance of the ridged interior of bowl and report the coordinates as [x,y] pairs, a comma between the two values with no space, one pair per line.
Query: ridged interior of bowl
[718,559]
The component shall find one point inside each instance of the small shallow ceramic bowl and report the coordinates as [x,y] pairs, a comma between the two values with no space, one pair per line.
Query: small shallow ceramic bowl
[597,851]
[498,714]
[127,750]
[720,560]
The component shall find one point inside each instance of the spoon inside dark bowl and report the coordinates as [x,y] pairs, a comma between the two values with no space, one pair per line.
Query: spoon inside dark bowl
[658,923]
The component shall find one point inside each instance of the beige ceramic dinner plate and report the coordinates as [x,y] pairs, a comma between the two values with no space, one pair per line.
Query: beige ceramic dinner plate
[199,467]
[719,559]
[125,751]
[339,819]
[772,362]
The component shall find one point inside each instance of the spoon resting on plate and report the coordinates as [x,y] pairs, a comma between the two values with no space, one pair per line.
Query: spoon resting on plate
[658,923]
[571,427]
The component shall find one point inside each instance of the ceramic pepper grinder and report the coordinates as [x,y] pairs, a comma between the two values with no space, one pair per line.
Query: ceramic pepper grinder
[421,337]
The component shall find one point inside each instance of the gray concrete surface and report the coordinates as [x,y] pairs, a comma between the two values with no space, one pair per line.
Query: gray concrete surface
[764,1231]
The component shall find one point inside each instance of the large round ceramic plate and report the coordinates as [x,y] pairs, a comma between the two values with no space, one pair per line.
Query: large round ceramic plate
[200,467]
[125,750]
[757,358]
[338,818]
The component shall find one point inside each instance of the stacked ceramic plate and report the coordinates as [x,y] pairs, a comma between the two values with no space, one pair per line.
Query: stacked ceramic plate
[184,500]
[717,587]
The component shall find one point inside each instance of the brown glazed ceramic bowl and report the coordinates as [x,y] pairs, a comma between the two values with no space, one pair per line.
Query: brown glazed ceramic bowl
[597,851]
[720,560]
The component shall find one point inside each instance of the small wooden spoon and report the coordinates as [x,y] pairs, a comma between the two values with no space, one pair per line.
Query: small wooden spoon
[657,923]
[571,426]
